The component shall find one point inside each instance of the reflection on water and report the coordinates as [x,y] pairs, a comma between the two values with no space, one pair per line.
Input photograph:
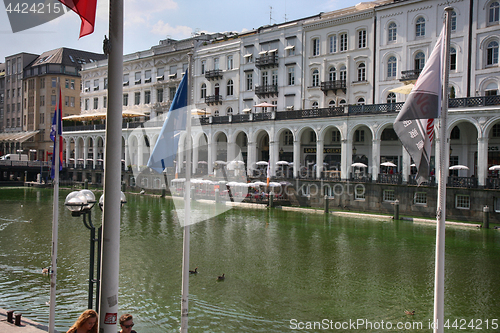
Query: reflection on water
[279,266]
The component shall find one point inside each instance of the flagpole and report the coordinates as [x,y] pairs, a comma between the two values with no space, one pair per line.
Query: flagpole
[187,207]
[55,218]
[441,209]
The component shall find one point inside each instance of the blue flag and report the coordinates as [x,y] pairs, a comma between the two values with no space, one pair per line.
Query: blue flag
[56,127]
[165,149]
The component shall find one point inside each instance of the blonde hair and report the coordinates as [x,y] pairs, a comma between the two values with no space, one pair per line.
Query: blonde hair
[86,315]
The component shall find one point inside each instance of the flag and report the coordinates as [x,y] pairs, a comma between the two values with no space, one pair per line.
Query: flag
[56,136]
[414,124]
[268,171]
[165,149]
[86,10]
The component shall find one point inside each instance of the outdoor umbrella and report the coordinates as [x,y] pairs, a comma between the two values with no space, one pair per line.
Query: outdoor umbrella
[493,168]
[359,165]
[403,89]
[282,163]
[264,105]
[388,164]
[458,167]
[262,163]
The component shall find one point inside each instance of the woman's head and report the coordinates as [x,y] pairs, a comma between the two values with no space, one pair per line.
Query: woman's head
[87,321]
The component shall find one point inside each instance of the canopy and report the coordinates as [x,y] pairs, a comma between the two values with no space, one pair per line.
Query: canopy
[282,163]
[359,165]
[102,115]
[264,105]
[403,89]
[388,164]
[459,167]
[262,163]
[17,136]
[493,168]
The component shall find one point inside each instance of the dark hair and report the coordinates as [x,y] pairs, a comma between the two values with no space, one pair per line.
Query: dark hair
[124,317]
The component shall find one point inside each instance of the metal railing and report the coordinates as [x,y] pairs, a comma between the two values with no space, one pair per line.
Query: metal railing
[465,182]
[266,61]
[384,178]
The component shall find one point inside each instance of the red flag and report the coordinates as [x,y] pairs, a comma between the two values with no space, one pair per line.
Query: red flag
[86,10]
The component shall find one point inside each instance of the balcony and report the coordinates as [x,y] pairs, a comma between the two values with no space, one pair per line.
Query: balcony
[216,74]
[334,86]
[266,61]
[266,90]
[213,100]
[411,75]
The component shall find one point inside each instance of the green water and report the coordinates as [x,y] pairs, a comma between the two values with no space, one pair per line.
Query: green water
[281,268]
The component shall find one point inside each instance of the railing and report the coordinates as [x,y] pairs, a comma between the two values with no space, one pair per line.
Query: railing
[220,120]
[266,61]
[213,99]
[430,182]
[262,116]
[360,177]
[493,183]
[465,182]
[31,164]
[266,90]
[411,74]
[384,178]
[215,74]
[333,85]
[352,110]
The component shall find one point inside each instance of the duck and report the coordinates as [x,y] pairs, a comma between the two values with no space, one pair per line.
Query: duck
[142,191]
[194,272]
[45,270]
[221,278]
[411,313]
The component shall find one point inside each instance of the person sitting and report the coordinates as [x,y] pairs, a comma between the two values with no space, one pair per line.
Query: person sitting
[126,323]
[86,323]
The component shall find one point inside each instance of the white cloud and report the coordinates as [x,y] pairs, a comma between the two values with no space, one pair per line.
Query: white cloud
[164,29]
[142,11]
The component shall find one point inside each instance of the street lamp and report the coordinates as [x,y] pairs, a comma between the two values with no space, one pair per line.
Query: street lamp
[81,203]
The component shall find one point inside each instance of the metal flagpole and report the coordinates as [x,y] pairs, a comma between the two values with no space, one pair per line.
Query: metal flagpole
[55,219]
[441,209]
[112,173]
[187,207]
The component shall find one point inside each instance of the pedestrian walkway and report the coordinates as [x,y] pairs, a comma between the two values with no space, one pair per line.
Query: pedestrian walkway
[27,326]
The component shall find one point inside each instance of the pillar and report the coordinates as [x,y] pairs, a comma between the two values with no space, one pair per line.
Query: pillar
[345,159]
[85,152]
[405,170]
[375,159]
[319,158]
[482,160]
[296,158]
[251,157]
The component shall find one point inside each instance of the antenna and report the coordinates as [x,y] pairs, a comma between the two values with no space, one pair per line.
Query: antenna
[270,14]
[285,10]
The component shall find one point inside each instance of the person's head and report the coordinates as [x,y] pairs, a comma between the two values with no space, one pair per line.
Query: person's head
[126,322]
[87,321]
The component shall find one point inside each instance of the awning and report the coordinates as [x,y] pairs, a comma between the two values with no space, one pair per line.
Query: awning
[248,55]
[289,47]
[262,52]
[17,137]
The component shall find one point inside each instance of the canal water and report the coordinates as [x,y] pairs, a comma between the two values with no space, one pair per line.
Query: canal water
[283,269]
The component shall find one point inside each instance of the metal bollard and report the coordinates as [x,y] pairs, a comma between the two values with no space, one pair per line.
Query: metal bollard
[486,217]
[86,184]
[326,204]
[18,319]
[396,209]
[10,316]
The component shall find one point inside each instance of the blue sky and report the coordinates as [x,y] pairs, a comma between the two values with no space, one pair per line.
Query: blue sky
[149,21]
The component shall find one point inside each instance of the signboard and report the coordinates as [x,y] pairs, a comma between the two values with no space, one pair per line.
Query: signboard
[325,150]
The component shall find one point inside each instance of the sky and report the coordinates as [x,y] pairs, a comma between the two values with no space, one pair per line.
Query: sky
[146,22]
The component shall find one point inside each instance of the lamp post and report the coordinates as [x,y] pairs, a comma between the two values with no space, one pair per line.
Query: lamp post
[80,203]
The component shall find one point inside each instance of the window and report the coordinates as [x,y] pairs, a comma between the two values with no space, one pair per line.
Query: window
[203,90]
[391,98]
[249,81]
[492,53]
[331,103]
[362,72]
[42,100]
[315,47]
[172,92]
[173,72]
[42,118]
[332,74]
[216,63]
[105,102]
[290,47]
[54,82]
[391,67]
[203,66]
[96,103]
[291,75]
[359,192]
[72,102]
[216,113]
[229,111]
[96,84]
[315,78]
[72,85]
[453,22]
[274,77]
[125,99]
[159,95]
[137,78]
[332,43]
[314,105]
[105,83]
[230,90]
[359,135]
[361,39]
[147,76]
[160,74]
[86,104]
[343,42]
[66,83]
[137,98]
[420,198]
[361,101]
[230,63]
[288,138]
[66,100]
[216,89]
[493,13]
[392,32]
[335,135]
[52,100]
[419,61]
[420,27]
[453,59]
[147,97]
[125,79]
[389,196]
[343,73]
[265,78]
[455,133]
[462,201]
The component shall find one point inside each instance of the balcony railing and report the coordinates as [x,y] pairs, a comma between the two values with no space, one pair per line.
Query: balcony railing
[214,99]
[465,182]
[266,61]
[384,178]
[410,75]
[375,108]
[493,183]
[269,90]
[334,85]
[474,101]
[213,75]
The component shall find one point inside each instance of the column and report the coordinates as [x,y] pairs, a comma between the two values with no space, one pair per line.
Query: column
[127,155]
[405,170]
[196,148]
[345,159]
[251,157]
[273,153]
[212,155]
[437,155]
[296,158]
[482,160]
[94,156]
[375,159]
[319,158]
[77,151]
[140,151]
[68,150]
[85,152]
